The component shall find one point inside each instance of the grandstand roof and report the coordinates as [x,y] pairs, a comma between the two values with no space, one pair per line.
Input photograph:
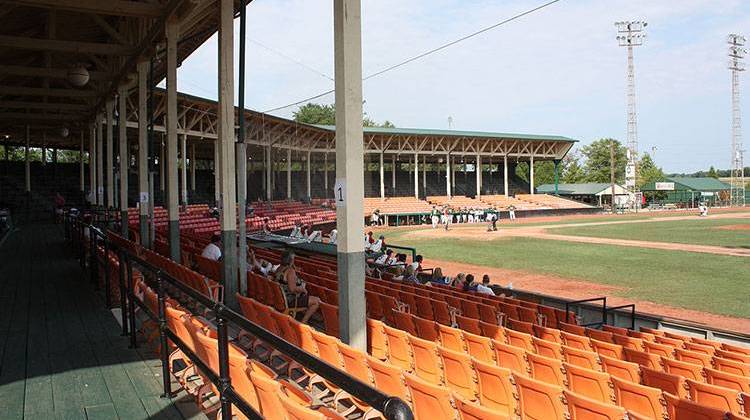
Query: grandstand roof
[588,188]
[688,183]
[455,133]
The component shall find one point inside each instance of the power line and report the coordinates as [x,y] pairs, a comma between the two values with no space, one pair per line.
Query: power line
[292,59]
[429,52]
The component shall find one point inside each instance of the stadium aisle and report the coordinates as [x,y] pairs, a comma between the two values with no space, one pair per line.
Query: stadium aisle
[61,353]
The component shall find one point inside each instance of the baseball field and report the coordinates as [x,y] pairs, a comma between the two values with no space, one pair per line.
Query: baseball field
[683,266]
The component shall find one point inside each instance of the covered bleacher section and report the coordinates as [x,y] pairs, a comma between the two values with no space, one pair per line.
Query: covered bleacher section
[150,299]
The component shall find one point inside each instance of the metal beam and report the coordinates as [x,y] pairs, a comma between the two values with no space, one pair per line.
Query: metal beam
[57,45]
[109,7]
[38,117]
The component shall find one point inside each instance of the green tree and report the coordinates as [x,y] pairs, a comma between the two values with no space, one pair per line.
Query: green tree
[648,172]
[311,113]
[573,172]
[712,172]
[597,160]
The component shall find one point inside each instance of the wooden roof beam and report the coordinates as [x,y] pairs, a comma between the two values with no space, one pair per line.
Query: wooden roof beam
[55,73]
[108,7]
[27,91]
[56,45]
[20,116]
[43,106]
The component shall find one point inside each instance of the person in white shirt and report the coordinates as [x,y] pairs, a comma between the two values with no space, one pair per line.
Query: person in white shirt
[296,231]
[378,245]
[212,251]
[333,236]
[384,259]
[484,288]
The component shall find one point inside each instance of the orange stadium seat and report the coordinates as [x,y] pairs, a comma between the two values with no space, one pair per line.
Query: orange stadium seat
[480,347]
[642,358]
[426,329]
[582,358]
[659,349]
[451,338]
[589,383]
[458,373]
[519,339]
[727,380]
[426,360]
[539,400]
[377,344]
[724,399]
[667,382]
[495,389]
[684,369]
[469,411]
[684,409]
[511,357]
[430,401]
[583,408]
[546,369]
[399,350]
[388,378]
[732,366]
[403,321]
[600,335]
[621,369]
[607,349]
[576,341]
[642,400]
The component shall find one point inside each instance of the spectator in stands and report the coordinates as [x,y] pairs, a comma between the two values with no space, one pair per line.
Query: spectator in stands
[458,282]
[369,240]
[484,288]
[469,285]
[378,245]
[438,277]
[294,289]
[212,251]
[383,259]
[266,227]
[374,217]
[417,264]
[296,230]
[333,237]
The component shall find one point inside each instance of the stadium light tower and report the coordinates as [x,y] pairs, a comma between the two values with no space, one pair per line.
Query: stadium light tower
[737,54]
[631,34]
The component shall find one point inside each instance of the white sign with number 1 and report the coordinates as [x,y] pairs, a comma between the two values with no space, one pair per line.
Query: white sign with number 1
[339,192]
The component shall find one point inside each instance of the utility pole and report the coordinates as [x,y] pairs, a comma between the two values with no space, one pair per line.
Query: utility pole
[631,34]
[736,65]
[612,171]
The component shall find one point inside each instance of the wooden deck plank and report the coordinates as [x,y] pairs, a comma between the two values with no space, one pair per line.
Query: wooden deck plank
[61,352]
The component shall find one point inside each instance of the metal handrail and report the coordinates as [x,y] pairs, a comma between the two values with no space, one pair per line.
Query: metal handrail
[632,312]
[392,408]
[577,303]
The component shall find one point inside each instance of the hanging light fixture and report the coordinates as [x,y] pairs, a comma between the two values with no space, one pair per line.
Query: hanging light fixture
[78,76]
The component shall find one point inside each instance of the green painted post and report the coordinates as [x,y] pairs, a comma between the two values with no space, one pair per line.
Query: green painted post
[557,164]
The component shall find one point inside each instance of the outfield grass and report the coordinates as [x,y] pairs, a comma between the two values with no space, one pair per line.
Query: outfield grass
[698,231]
[705,282]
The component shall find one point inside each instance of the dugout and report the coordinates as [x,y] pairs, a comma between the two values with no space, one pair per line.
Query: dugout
[686,192]
[594,193]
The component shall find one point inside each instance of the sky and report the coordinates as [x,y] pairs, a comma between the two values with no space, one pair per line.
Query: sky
[556,71]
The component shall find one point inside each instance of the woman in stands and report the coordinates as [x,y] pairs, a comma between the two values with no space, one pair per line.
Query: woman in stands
[294,289]
[439,278]
[458,282]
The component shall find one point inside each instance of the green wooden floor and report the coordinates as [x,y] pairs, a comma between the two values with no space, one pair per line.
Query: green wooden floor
[61,353]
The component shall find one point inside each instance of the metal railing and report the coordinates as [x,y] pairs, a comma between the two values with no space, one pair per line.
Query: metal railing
[392,408]
[632,313]
[577,303]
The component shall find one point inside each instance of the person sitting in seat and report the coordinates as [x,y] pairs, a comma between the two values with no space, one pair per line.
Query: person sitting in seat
[438,277]
[386,259]
[212,251]
[375,218]
[484,288]
[410,275]
[378,245]
[469,285]
[296,230]
[417,264]
[458,282]
[333,237]
[293,287]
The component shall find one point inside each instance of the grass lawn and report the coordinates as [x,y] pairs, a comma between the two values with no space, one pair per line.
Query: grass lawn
[705,282]
[698,231]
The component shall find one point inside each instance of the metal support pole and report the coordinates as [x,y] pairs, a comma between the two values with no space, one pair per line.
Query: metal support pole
[173,211]
[289,174]
[557,176]
[225,381]
[448,175]
[193,163]
[99,160]
[416,176]
[309,169]
[225,140]
[531,175]
[131,308]
[393,175]
[183,170]
[123,291]
[478,169]
[124,158]
[242,164]
[382,177]
[424,174]
[164,351]
[269,175]
[81,171]
[143,196]
[217,174]
[325,173]
[109,110]
[505,175]
[92,164]
[349,171]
